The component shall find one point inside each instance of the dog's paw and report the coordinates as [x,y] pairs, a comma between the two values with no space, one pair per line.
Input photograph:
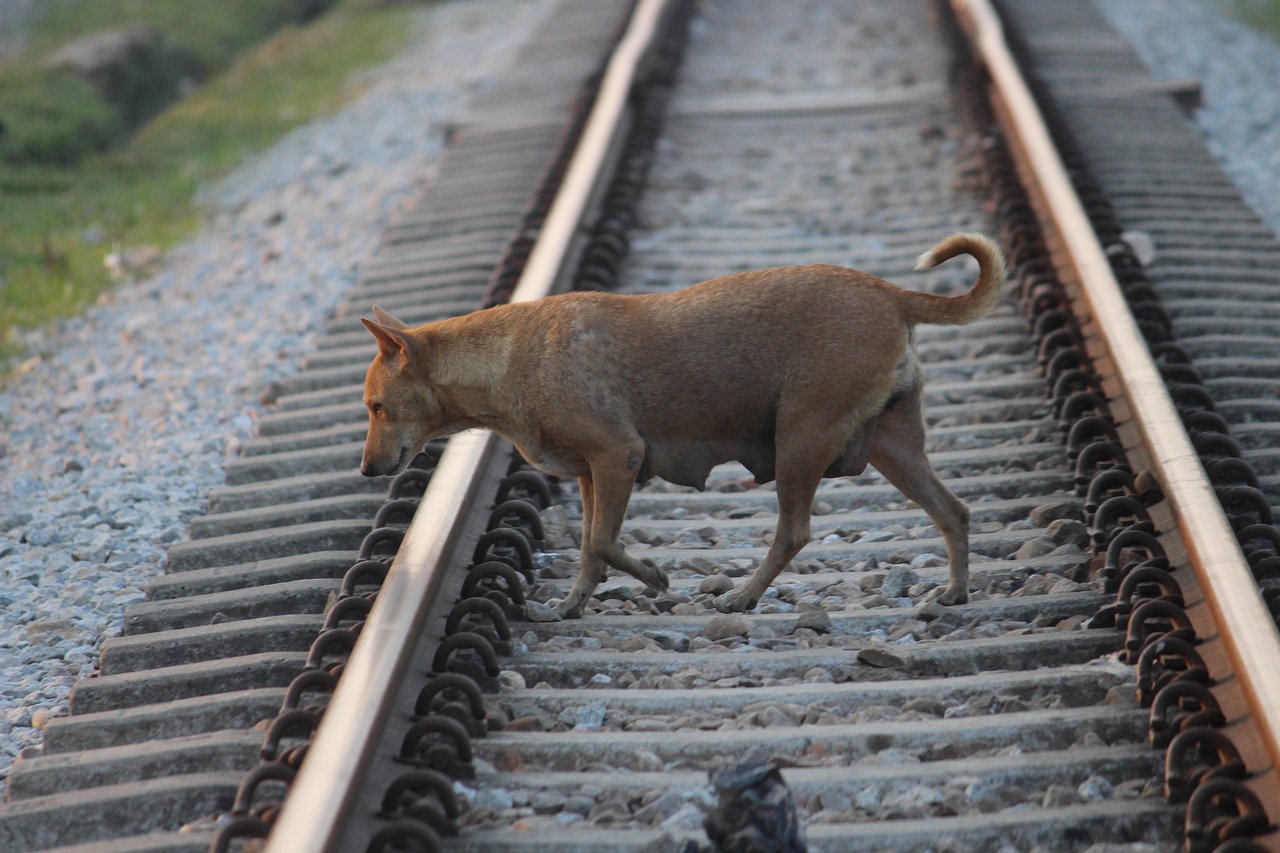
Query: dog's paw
[569,608]
[736,601]
[950,595]
[653,577]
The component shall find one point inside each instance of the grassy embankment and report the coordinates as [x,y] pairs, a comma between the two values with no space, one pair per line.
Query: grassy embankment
[76,179]
[1262,15]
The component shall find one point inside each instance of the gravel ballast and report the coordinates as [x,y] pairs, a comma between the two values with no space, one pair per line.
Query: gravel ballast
[122,420]
[119,422]
[1237,68]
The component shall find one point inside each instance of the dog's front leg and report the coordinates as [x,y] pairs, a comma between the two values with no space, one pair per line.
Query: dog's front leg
[592,569]
[612,478]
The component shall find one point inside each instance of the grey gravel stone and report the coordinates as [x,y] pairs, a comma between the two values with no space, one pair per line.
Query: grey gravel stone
[1047,513]
[881,657]
[1057,796]
[1038,547]
[897,581]
[1068,531]
[660,809]
[1095,788]
[814,620]
[536,611]
[584,718]
[716,584]
[726,625]
[686,819]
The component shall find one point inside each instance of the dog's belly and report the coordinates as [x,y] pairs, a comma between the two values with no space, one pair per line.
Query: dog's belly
[561,462]
[689,463]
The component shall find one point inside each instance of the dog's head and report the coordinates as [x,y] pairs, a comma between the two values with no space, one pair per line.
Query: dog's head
[404,410]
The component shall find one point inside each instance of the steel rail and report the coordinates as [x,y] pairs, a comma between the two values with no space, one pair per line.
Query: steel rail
[1245,625]
[311,818]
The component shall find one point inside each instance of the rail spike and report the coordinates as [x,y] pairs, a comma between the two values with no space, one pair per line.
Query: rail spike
[1166,660]
[1223,809]
[1179,706]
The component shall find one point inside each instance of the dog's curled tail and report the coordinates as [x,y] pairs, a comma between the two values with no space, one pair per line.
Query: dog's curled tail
[958,310]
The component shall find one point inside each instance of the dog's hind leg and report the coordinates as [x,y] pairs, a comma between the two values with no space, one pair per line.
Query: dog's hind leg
[898,452]
[592,569]
[799,472]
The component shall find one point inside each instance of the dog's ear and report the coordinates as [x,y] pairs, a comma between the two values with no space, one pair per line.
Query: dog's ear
[387,320]
[393,343]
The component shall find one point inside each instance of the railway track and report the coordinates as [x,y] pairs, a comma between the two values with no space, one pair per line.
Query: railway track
[1020,720]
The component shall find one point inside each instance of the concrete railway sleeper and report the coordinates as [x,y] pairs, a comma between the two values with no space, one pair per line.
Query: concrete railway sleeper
[1093,690]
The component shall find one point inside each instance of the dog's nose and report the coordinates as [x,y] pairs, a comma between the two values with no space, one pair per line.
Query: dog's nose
[367,470]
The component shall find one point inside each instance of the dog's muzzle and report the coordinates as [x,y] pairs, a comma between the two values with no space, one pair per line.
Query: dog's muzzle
[369,469]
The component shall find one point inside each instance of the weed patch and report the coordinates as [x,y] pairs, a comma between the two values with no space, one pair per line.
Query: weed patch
[64,206]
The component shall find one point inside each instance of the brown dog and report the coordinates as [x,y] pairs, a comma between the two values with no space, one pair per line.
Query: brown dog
[799,373]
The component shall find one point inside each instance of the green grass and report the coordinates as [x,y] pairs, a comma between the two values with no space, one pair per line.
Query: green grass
[58,221]
[213,33]
[1262,15]
[53,119]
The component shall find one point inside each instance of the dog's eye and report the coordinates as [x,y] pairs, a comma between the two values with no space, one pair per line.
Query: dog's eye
[376,408]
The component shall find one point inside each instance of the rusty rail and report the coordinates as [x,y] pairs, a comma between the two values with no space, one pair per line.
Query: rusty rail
[1246,627]
[311,818]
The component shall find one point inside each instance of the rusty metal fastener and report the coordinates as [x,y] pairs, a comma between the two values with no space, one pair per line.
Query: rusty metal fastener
[467,639]
[524,515]
[397,511]
[1196,755]
[374,570]
[270,771]
[322,644]
[410,479]
[1148,581]
[1205,421]
[381,536]
[440,743]
[417,785]
[401,834]
[1222,809]
[1190,397]
[1096,457]
[1059,340]
[1168,659]
[1245,505]
[1114,512]
[280,726]
[525,484]
[1137,536]
[308,679]
[351,607]
[1087,430]
[508,545]
[1079,403]
[1179,706]
[1108,483]
[1180,372]
[476,604]
[1062,361]
[1156,619]
[1215,445]
[436,694]
[509,593]
[238,827]
[1233,472]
